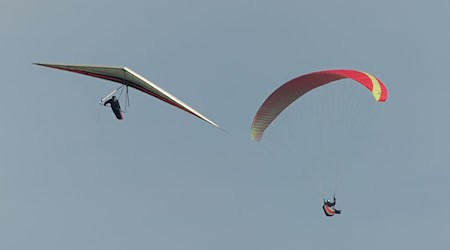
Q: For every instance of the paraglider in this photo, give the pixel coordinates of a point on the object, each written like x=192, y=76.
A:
x=328, y=207
x=289, y=92
x=295, y=88
x=128, y=78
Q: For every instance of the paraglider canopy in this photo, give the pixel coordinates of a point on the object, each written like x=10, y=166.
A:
x=281, y=98
x=126, y=76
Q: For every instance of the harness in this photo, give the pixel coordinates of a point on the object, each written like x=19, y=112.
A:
x=329, y=211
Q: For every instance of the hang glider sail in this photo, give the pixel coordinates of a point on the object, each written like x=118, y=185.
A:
x=295, y=88
x=127, y=77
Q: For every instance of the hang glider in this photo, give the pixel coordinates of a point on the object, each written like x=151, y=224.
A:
x=129, y=78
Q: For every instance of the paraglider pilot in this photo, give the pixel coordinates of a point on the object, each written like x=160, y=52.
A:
x=115, y=106
x=328, y=207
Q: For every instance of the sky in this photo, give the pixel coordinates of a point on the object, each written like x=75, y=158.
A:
x=74, y=177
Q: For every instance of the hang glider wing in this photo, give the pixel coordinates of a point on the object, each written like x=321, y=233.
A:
x=126, y=76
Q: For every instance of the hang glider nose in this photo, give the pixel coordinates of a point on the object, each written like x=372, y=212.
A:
x=126, y=76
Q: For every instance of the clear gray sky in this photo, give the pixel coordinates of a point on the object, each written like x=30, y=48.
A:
x=73, y=177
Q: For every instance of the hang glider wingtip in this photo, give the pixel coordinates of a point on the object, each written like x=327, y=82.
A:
x=215, y=124
x=224, y=130
x=45, y=65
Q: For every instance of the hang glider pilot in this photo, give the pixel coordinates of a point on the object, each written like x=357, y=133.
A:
x=115, y=106
x=328, y=207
